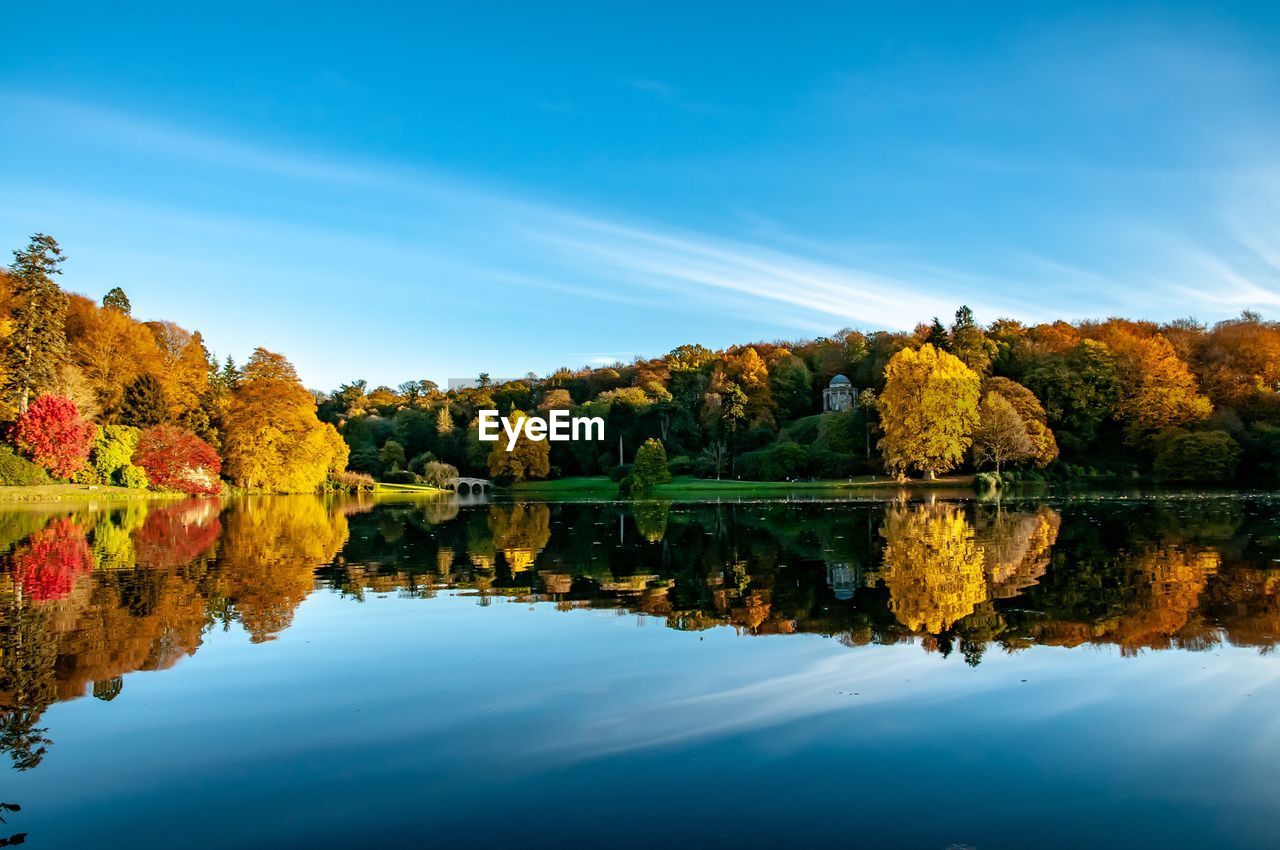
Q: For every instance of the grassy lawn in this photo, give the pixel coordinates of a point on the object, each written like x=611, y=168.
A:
x=600, y=486
x=407, y=488
x=78, y=493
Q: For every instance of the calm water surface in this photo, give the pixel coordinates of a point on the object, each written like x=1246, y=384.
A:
x=279, y=672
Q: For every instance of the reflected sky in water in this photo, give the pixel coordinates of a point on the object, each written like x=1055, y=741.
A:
x=294, y=672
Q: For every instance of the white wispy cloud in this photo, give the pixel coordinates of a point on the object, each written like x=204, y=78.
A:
x=441, y=227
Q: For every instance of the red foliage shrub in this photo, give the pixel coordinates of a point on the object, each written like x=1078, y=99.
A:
x=52, y=559
x=53, y=434
x=179, y=460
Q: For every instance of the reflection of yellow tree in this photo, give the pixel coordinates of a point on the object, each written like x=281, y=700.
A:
x=932, y=566
x=271, y=547
x=1016, y=547
x=521, y=531
x=1177, y=578
x=1246, y=600
x=112, y=537
x=651, y=519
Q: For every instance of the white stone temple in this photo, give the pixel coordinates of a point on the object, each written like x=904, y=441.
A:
x=839, y=396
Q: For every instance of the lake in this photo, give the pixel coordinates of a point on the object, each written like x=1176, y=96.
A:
x=856, y=672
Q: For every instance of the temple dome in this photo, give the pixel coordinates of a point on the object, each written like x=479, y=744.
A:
x=840, y=380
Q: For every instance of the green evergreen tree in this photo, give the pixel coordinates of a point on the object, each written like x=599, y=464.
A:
x=144, y=403
x=937, y=336
x=117, y=300
x=649, y=469
x=37, y=346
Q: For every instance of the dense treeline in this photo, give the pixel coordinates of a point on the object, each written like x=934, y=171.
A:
x=94, y=395
x=1181, y=401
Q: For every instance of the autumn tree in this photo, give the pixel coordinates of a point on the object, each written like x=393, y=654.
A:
x=176, y=459
x=37, y=344
x=53, y=434
x=444, y=422
x=184, y=370
x=928, y=410
x=1044, y=447
x=273, y=440
x=1157, y=389
x=529, y=459
x=1239, y=363
x=110, y=348
x=1000, y=437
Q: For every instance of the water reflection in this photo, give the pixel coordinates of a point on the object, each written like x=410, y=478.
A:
x=88, y=596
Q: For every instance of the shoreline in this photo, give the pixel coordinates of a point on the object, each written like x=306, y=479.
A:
x=37, y=493
x=598, y=485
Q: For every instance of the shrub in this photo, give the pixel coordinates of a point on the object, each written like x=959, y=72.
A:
x=419, y=462
x=353, y=482
x=17, y=471
x=112, y=454
x=682, y=465
x=132, y=476
x=782, y=460
x=620, y=472
x=1199, y=456
x=176, y=459
x=985, y=482
x=436, y=474
x=53, y=434
x=400, y=476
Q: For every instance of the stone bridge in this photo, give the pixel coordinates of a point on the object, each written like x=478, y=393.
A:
x=468, y=485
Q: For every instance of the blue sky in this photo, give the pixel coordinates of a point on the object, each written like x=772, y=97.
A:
x=392, y=193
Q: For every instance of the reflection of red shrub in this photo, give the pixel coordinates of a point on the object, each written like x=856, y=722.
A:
x=52, y=559
x=177, y=459
x=53, y=434
x=177, y=535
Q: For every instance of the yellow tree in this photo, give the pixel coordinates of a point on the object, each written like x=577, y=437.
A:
x=186, y=368
x=110, y=349
x=928, y=410
x=529, y=458
x=273, y=440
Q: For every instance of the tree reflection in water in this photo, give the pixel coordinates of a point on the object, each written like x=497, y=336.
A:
x=88, y=596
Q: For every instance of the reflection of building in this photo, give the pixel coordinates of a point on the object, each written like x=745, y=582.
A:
x=838, y=396
x=843, y=580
